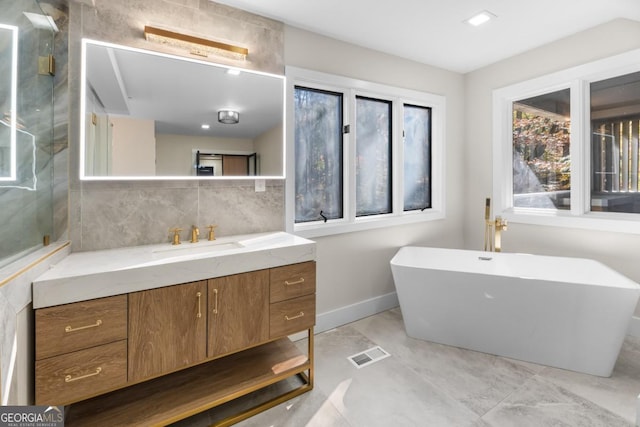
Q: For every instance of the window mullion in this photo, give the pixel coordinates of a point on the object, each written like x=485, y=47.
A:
x=397, y=158
x=350, y=156
x=579, y=148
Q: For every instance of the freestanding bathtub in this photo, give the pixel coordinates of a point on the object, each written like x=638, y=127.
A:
x=568, y=313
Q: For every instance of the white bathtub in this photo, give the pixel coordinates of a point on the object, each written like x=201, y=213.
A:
x=568, y=313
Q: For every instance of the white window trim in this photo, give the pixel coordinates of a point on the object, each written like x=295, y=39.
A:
x=578, y=80
x=351, y=87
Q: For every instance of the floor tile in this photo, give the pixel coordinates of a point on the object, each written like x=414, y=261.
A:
x=311, y=409
x=386, y=393
x=618, y=393
x=478, y=380
x=541, y=403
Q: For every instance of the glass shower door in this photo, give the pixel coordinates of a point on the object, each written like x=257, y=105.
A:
x=26, y=119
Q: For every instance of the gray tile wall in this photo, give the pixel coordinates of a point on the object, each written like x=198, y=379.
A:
x=127, y=213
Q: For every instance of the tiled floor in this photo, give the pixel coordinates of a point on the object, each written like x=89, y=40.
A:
x=427, y=384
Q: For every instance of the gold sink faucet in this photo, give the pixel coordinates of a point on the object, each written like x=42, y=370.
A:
x=493, y=229
x=195, y=232
x=176, y=235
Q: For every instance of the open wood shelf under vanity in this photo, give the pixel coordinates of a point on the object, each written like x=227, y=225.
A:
x=179, y=395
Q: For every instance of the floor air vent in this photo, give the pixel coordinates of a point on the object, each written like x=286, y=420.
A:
x=368, y=357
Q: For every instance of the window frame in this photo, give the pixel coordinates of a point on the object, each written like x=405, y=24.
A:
x=351, y=87
x=578, y=80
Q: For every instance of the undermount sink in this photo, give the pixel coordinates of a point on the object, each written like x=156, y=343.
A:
x=200, y=247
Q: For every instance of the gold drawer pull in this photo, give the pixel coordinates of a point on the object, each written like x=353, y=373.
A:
x=69, y=378
x=94, y=325
x=297, y=316
x=199, y=312
x=297, y=282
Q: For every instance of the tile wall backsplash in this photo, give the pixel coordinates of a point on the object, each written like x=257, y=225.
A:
x=118, y=214
x=115, y=214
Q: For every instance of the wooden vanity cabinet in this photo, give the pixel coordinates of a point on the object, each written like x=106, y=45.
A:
x=167, y=329
x=167, y=353
x=238, y=312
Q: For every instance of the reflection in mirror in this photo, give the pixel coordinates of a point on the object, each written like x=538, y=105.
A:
x=148, y=115
x=8, y=99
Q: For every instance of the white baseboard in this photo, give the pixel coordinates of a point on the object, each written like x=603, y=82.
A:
x=350, y=313
x=634, y=327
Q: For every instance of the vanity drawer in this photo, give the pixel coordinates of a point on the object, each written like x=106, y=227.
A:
x=291, y=316
x=75, y=376
x=292, y=281
x=70, y=327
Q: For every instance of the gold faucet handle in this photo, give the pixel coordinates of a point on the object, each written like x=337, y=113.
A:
x=212, y=233
x=501, y=223
x=176, y=235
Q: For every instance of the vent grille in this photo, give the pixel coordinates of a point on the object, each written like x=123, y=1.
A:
x=367, y=357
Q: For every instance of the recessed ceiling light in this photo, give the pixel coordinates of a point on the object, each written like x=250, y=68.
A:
x=205, y=126
x=480, y=18
x=233, y=71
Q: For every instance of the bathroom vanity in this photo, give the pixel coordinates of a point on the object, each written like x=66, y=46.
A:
x=151, y=335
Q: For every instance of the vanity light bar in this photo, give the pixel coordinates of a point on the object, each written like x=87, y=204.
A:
x=170, y=37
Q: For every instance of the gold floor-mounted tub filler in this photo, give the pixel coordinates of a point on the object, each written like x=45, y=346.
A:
x=493, y=229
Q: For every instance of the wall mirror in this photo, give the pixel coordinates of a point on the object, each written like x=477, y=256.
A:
x=8, y=97
x=148, y=115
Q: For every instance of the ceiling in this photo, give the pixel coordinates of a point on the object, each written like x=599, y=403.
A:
x=434, y=32
x=181, y=94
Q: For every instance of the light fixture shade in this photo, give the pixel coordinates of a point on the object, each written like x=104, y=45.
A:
x=196, y=45
x=228, y=117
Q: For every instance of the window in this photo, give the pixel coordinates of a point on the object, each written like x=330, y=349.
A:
x=318, y=154
x=417, y=157
x=567, y=149
x=615, y=123
x=362, y=155
x=541, y=160
x=373, y=156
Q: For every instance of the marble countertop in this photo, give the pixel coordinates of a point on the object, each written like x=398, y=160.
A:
x=88, y=275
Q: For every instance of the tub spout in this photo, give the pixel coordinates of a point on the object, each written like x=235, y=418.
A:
x=500, y=225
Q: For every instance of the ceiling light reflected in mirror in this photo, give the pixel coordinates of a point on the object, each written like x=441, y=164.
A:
x=228, y=117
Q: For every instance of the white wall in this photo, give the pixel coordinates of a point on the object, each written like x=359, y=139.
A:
x=617, y=250
x=354, y=267
x=269, y=148
x=174, y=152
x=133, y=147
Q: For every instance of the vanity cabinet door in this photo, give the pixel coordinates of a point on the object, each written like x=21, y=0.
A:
x=167, y=329
x=238, y=312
